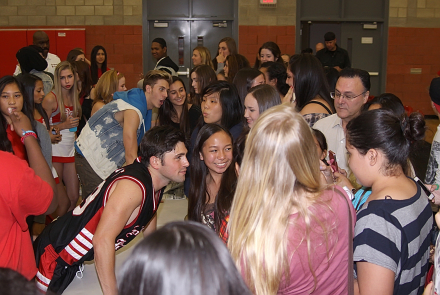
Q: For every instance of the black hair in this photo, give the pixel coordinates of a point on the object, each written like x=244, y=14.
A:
x=332, y=76
x=239, y=145
x=205, y=76
x=383, y=130
x=157, y=141
x=12, y=282
x=73, y=54
x=94, y=65
x=387, y=101
x=84, y=75
x=28, y=82
x=183, y=258
x=197, y=197
x=310, y=80
x=307, y=50
x=5, y=144
x=329, y=36
x=274, y=48
x=363, y=75
x=243, y=81
x=167, y=112
x=161, y=42
x=277, y=71
x=320, y=138
x=232, y=108
x=236, y=62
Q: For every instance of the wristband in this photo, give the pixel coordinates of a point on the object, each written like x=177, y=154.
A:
x=26, y=134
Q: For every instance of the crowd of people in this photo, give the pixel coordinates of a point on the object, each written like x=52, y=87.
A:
x=298, y=180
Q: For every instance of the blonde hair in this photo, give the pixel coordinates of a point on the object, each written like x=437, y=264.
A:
x=106, y=86
x=279, y=176
x=65, y=65
x=205, y=55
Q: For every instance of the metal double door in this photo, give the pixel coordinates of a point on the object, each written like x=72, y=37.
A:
x=182, y=36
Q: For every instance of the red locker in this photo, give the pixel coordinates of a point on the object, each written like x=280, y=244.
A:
x=61, y=42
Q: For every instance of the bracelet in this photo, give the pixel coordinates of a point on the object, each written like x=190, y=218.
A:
x=23, y=133
x=26, y=134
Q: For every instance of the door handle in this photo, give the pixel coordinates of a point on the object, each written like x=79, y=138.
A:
x=183, y=73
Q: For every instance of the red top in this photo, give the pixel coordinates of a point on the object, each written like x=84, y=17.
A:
x=17, y=145
x=22, y=194
x=56, y=117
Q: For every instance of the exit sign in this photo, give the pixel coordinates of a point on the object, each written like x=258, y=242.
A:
x=268, y=3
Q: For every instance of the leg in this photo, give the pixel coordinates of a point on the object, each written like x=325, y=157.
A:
x=72, y=184
x=89, y=179
x=63, y=200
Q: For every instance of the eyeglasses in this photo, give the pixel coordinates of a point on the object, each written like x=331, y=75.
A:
x=338, y=95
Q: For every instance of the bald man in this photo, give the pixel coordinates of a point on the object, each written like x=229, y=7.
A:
x=41, y=39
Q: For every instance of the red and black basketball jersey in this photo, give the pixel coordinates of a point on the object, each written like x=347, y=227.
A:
x=71, y=235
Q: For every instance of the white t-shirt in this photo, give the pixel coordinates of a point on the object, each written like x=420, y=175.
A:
x=52, y=62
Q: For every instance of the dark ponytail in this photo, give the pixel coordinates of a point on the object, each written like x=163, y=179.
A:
x=394, y=136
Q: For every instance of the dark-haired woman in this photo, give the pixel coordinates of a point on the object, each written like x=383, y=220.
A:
x=213, y=179
x=233, y=64
x=269, y=51
x=98, y=59
x=34, y=94
x=176, y=111
x=276, y=75
x=220, y=105
x=247, y=78
x=312, y=94
x=392, y=233
x=226, y=46
x=161, y=264
x=201, y=76
x=84, y=87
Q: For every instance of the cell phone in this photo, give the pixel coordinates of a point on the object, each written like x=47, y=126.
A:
x=334, y=163
x=54, y=132
x=424, y=188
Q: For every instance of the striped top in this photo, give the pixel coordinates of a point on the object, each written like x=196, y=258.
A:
x=395, y=234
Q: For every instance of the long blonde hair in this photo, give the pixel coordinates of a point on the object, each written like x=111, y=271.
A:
x=279, y=176
x=107, y=85
x=65, y=65
x=205, y=55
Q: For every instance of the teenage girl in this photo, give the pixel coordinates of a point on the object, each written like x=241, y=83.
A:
x=176, y=110
x=33, y=90
x=98, y=65
x=84, y=89
x=226, y=46
x=269, y=51
x=247, y=78
x=63, y=107
x=110, y=82
x=201, y=56
x=213, y=179
x=233, y=64
x=392, y=234
x=201, y=76
x=259, y=99
x=276, y=76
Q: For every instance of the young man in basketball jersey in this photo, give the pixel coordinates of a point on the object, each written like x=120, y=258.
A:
x=121, y=207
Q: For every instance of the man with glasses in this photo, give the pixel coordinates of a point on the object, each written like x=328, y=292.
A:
x=351, y=93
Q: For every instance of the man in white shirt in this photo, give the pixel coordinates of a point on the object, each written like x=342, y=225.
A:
x=41, y=39
x=351, y=93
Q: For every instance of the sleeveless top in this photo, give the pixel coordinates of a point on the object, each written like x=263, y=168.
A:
x=71, y=235
x=312, y=118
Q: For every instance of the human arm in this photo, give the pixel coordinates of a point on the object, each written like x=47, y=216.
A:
x=129, y=135
x=125, y=198
x=71, y=122
x=36, y=160
x=373, y=279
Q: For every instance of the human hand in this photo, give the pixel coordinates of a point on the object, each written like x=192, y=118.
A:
x=55, y=138
x=342, y=179
x=428, y=289
x=434, y=189
x=290, y=96
x=326, y=173
x=338, y=68
x=71, y=122
x=20, y=122
x=220, y=58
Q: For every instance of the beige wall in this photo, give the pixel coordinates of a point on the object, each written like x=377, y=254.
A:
x=403, y=13
x=70, y=12
x=415, y=13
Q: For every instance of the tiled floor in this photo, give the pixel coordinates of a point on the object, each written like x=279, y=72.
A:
x=170, y=210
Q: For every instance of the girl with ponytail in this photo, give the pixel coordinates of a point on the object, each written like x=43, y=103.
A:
x=391, y=243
